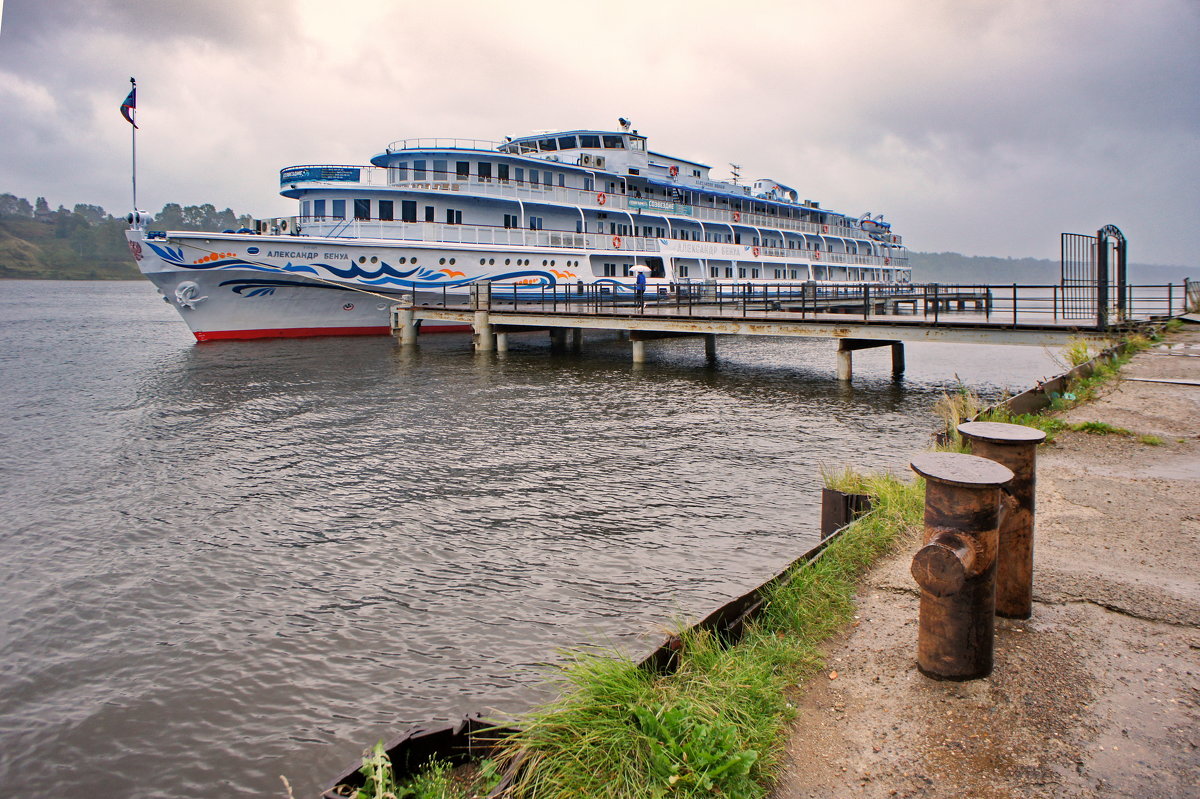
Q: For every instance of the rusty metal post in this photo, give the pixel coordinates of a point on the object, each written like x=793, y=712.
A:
x=1014, y=446
x=956, y=567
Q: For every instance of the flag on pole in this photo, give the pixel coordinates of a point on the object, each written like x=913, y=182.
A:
x=130, y=105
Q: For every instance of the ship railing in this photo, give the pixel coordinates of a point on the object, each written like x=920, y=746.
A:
x=332, y=227
x=439, y=233
x=442, y=144
x=682, y=215
x=1015, y=305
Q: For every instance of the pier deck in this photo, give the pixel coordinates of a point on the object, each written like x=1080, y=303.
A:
x=856, y=316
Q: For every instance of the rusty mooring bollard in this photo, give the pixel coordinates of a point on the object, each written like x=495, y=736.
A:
x=1014, y=446
x=956, y=568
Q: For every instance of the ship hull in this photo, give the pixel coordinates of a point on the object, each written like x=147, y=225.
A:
x=247, y=287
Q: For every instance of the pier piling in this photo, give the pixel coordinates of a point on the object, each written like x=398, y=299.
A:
x=956, y=567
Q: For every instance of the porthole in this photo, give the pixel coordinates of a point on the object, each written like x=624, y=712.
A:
x=403, y=259
x=374, y=259
x=482, y=261
x=506, y=261
x=545, y=262
x=552, y=262
x=452, y=262
x=491, y=261
x=441, y=261
x=362, y=259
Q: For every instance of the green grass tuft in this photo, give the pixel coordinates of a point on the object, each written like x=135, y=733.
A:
x=1100, y=428
x=1153, y=441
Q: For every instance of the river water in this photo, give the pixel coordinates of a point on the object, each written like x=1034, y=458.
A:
x=221, y=563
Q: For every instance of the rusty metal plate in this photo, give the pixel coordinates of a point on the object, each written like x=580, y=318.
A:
x=1002, y=432
x=968, y=471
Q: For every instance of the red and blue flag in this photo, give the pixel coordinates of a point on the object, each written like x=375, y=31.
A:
x=128, y=107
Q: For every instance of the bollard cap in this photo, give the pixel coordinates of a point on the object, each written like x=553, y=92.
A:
x=1002, y=433
x=968, y=471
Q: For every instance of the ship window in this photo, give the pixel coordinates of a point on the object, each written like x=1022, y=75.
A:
x=305, y=208
x=683, y=271
x=729, y=271
x=547, y=144
x=562, y=179
x=625, y=270
x=520, y=171
x=741, y=271
x=453, y=217
x=462, y=170
x=319, y=209
x=588, y=184
x=408, y=210
x=754, y=274
x=440, y=170
x=533, y=177
x=401, y=170
x=566, y=143
x=362, y=209
x=485, y=170
x=614, y=142
x=511, y=221
x=714, y=271
x=339, y=209
x=386, y=210
x=696, y=173
x=429, y=213
x=637, y=143
x=418, y=170
x=610, y=270
x=502, y=171
x=535, y=223
x=588, y=140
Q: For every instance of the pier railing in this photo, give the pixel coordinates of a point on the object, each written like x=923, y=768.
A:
x=1010, y=305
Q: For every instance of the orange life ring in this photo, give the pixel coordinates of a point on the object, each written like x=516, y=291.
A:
x=816, y=255
x=617, y=242
x=674, y=171
x=737, y=216
x=824, y=228
x=887, y=261
x=601, y=197
x=755, y=251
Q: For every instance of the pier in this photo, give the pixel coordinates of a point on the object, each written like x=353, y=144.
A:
x=856, y=316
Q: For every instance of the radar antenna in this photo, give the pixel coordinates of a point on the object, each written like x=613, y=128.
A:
x=737, y=172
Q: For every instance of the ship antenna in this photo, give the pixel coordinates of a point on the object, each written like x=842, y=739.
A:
x=737, y=172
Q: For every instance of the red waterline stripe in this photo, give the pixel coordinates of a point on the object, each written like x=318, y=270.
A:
x=306, y=332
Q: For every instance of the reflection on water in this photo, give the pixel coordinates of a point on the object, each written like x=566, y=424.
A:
x=226, y=562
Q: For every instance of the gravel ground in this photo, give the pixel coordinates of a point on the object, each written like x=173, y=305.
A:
x=1096, y=695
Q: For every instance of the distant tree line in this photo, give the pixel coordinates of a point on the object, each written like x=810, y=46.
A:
x=86, y=242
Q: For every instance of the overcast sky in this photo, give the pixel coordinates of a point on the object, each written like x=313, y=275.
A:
x=981, y=126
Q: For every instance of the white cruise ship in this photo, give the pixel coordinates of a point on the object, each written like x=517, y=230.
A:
x=535, y=214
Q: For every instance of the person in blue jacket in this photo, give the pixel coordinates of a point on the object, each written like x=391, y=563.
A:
x=640, y=286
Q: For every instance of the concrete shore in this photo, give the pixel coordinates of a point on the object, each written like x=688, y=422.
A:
x=1096, y=695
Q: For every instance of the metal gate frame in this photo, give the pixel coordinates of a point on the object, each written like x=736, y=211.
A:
x=1094, y=274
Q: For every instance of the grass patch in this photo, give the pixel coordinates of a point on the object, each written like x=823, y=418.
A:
x=1100, y=429
x=954, y=409
x=845, y=479
x=1152, y=441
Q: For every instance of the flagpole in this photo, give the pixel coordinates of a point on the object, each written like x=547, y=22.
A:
x=133, y=156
